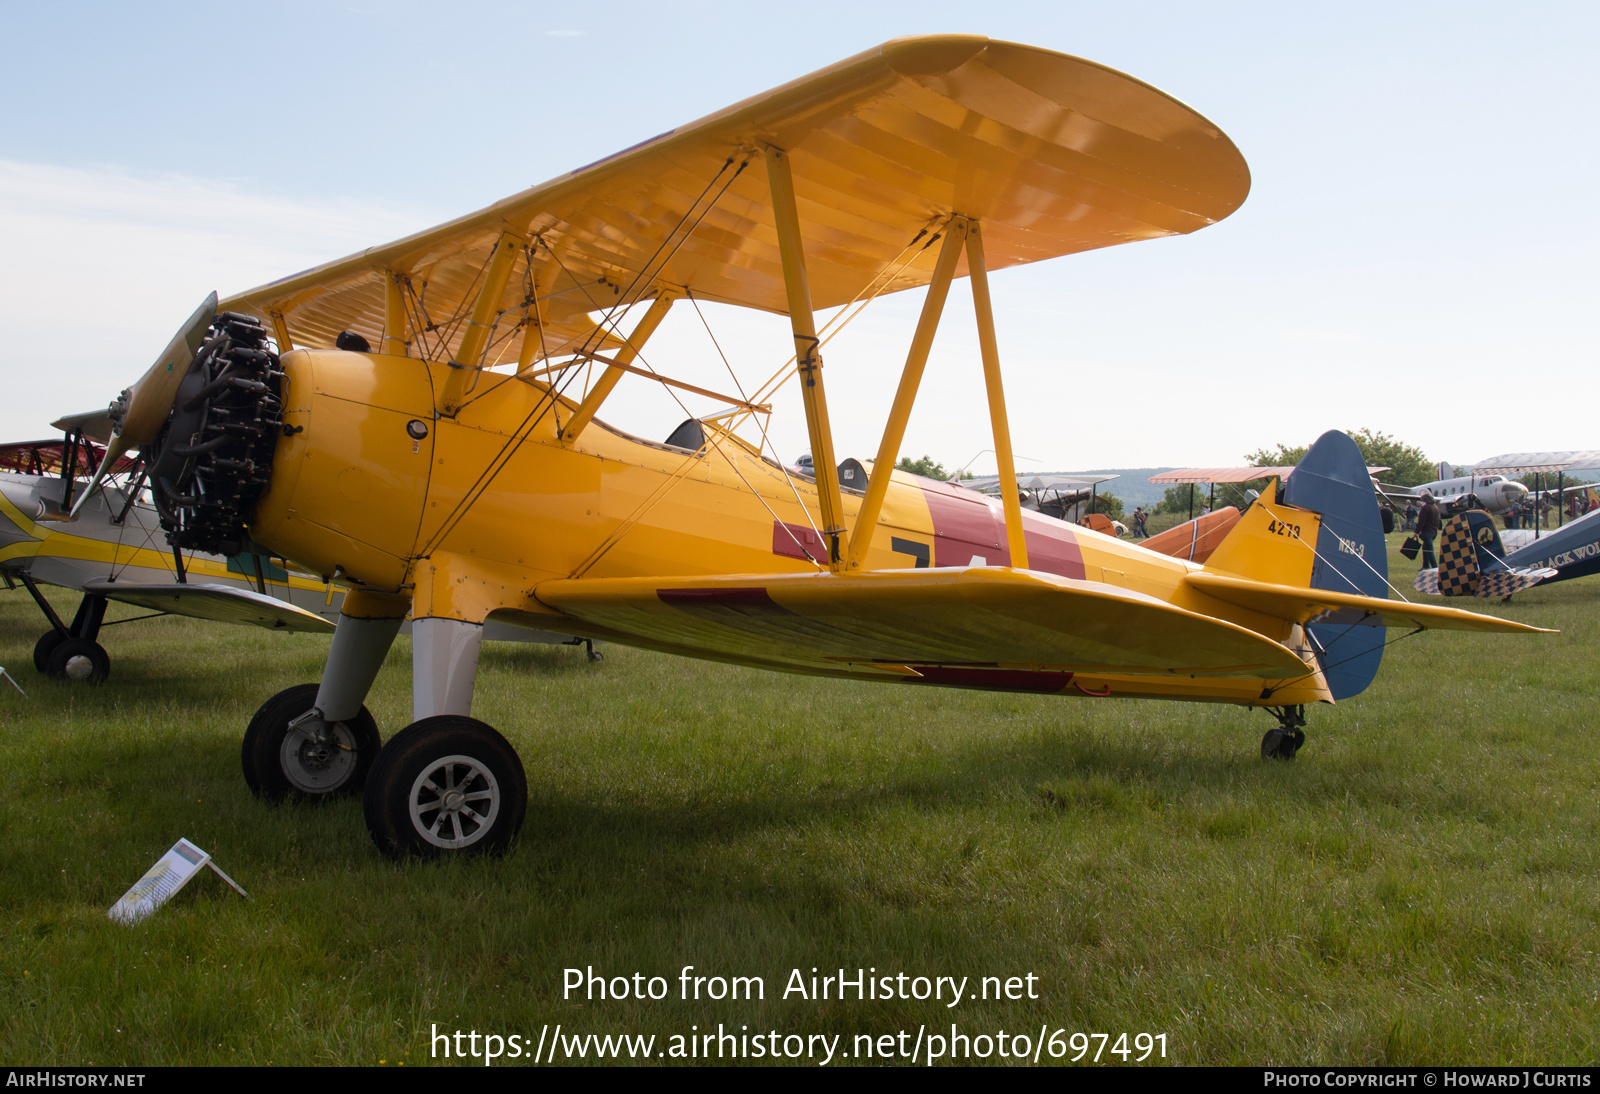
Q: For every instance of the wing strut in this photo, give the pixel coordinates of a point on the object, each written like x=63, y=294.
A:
x=786, y=217
x=394, y=316
x=619, y=364
x=961, y=231
x=280, y=332
x=997, y=397
x=894, y=430
x=469, y=354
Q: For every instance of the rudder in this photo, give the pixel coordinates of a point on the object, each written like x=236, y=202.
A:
x=1351, y=555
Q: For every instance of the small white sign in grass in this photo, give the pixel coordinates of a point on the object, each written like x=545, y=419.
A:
x=162, y=881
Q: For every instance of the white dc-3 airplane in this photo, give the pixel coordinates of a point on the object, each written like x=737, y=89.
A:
x=1496, y=494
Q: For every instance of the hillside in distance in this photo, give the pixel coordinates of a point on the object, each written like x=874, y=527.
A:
x=1132, y=485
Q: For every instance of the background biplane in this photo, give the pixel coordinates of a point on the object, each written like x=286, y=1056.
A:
x=460, y=472
x=1473, y=562
x=110, y=547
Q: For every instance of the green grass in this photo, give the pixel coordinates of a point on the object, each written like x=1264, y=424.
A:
x=1420, y=885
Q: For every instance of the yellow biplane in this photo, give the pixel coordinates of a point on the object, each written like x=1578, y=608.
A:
x=459, y=470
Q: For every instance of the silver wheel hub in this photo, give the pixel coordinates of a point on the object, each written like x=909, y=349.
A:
x=79, y=667
x=317, y=758
x=454, y=802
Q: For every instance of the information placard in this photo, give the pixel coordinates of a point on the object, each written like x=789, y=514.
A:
x=162, y=881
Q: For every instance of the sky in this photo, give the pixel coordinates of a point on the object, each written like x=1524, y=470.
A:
x=1417, y=255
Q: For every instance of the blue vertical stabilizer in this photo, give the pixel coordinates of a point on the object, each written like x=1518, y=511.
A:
x=1352, y=557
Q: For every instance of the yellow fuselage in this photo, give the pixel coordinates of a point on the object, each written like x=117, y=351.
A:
x=467, y=520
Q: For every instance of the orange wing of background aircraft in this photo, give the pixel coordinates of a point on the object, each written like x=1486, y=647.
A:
x=420, y=422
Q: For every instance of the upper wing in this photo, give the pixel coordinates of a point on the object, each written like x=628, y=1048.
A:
x=1054, y=154
x=220, y=602
x=1528, y=463
x=1202, y=475
x=897, y=620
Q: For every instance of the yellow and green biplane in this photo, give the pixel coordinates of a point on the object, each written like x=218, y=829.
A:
x=460, y=472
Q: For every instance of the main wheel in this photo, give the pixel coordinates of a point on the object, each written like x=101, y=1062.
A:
x=43, y=648
x=446, y=785
x=79, y=659
x=311, y=760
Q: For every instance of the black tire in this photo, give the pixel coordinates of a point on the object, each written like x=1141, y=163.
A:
x=1281, y=744
x=407, y=803
x=1270, y=744
x=277, y=766
x=42, y=649
x=80, y=660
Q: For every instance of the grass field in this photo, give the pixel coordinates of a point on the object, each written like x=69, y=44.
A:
x=1418, y=886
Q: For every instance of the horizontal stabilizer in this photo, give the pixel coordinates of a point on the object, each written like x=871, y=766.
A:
x=219, y=602
x=1195, y=540
x=1486, y=586
x=898, y=619
x=1327, y=606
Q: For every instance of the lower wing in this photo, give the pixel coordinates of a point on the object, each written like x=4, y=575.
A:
x=894, y=621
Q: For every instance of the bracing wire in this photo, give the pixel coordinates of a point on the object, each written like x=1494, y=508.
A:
x=874, y=288
x=525, y=430
x=766, y=441
x=650, y=503
x=1353, y=657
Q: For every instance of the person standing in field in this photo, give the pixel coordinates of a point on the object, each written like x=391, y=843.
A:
x=1428, y=530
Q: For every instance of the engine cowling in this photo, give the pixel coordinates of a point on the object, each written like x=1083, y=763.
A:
x=352, y=470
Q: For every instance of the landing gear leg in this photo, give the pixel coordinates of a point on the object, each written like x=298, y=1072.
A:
x=316, y=741
x=444, y=666
x=447, y=783
x=1282, y=742
x=71, y=653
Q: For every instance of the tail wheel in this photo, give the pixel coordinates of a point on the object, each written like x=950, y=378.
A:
x=79, y=659
x=447, y=785
x=288, y=754
x=1282, y=744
